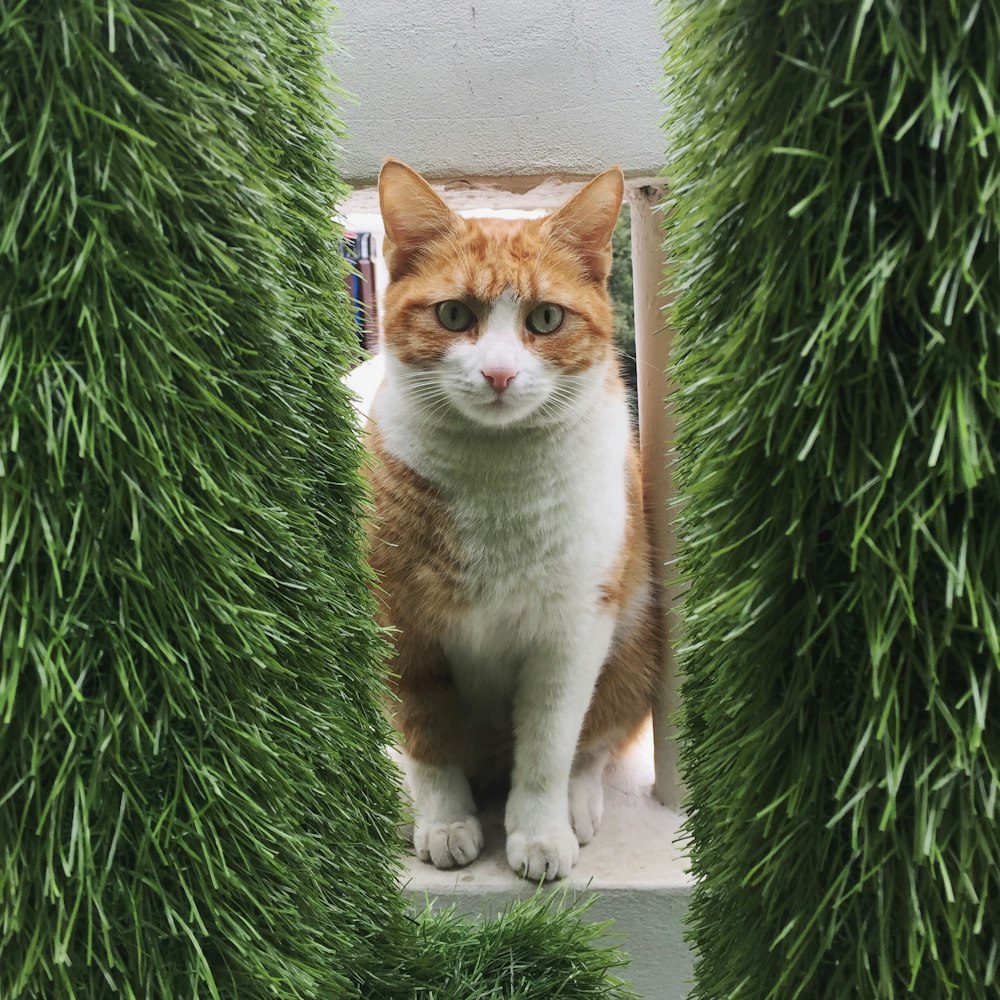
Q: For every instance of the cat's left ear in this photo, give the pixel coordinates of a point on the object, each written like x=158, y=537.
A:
x=413, y=213
x=585, y=223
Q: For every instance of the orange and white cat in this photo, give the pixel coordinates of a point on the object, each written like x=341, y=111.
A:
x=509, y=536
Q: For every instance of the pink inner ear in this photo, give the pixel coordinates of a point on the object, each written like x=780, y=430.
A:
x=585, y=223
x=413, y=213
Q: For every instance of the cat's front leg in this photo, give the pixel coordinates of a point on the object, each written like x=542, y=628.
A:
x=429, y=716
x=554, y=690
x=446, y=831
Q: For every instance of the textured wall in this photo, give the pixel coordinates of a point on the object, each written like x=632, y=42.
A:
x=495, y=87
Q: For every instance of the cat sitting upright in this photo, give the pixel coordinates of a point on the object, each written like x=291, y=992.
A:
x=509, y=535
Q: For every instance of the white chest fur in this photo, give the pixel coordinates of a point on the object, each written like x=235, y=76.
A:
x=539, y=515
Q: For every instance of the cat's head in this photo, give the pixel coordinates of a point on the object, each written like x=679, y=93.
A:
x=492, y=321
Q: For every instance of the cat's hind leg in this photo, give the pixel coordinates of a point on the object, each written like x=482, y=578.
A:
x=586, y=793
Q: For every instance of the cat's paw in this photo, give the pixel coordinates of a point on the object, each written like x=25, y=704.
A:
x=546, y=854
x=586, y=804
x=448, y=845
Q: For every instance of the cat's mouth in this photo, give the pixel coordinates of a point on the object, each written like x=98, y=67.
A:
x=499, y=409
x=493, y=400
x=495, y=409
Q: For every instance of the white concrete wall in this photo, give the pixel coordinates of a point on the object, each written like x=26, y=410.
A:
x=485, y=88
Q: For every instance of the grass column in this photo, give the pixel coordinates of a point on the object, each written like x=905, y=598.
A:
x=835, y=176
x=187, y=662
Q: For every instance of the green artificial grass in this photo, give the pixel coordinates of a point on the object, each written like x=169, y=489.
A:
x=194, y=799
x=835, y=176
x=537, y=949
x=184, y=813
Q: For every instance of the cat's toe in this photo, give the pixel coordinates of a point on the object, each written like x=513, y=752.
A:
x=449, y=845
x=547, y=856
x=465, y=841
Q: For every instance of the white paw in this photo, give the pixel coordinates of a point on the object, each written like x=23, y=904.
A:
x=448, y=845
x=547, y=854
x=586, y=804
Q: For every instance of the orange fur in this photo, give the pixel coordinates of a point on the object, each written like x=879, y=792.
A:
x=412, y=551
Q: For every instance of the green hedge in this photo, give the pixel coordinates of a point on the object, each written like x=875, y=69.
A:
x=835, y=176
x=194, y=801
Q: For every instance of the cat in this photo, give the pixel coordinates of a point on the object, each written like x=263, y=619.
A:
x=508, y=536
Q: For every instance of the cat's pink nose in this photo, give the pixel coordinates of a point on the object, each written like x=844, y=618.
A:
x=499, y=378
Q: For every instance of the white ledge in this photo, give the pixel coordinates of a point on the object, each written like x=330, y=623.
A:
x=635, y=848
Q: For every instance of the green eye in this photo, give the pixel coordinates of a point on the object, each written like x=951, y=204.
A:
x=454, y=315
x=545, y=318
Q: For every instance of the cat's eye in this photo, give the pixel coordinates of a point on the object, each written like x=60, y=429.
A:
x=454, y=315
x=545, y=318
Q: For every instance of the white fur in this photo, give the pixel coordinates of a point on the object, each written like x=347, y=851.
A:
x=445, y=829
x=586, y=793
x=363, y=383
x=535, y=483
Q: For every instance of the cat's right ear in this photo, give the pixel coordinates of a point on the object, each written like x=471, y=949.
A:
x=585, y=223
x=413, y=214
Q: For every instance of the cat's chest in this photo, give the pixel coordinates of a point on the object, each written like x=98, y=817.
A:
x=533, y=517
x=514, y=525
x=534, y=548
